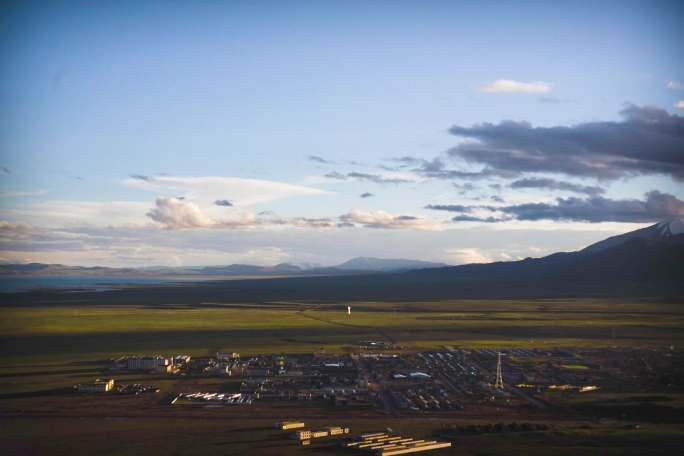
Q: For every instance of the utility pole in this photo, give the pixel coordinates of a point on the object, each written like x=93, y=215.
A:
x=499, y=378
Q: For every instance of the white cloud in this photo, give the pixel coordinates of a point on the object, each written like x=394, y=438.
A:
x=674, y=85
x=177, y=214
x=241, y=192
x=14, y=231
x=13, y=194
x=509, y=85
x=467, y=256
x=382, y=219
x=679, y=104
x=122, y=254
x=80, y=213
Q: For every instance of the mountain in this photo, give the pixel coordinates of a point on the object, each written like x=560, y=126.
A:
x=650, y=258
x=385, y=265
x=665, y=229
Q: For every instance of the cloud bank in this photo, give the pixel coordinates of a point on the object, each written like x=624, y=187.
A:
x=382, y=219
x=647, y=140
x=655, y=206
x=552, y=184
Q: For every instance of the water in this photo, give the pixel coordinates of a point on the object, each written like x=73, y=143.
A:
x=13, y=284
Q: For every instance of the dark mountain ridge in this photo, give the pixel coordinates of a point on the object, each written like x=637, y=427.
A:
x=633, y=266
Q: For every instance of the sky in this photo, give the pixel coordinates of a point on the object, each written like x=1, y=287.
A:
x=205, y=133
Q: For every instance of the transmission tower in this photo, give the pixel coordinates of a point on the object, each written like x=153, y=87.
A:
x=499, y=378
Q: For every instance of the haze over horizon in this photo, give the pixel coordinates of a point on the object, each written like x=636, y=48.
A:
x=170, y=133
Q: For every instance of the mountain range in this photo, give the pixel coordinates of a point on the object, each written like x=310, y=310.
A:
x=353, y=266
x=646, y=262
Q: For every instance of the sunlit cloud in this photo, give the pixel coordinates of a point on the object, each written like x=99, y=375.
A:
x=240, y=191
x=511, y=86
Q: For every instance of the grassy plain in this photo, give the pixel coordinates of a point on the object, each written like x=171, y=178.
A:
x=83, y=332
x=48, y=348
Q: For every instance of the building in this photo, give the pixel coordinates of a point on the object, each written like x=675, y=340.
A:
x=287, y=425
x=382, y=444
x=337, y=430
x=304, y=434
x=98, y=386
x=226, y=356
x=149, y=363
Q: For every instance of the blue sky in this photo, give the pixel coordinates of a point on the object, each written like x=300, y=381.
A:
x=207, y=101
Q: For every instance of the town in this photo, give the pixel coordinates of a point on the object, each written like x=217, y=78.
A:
x=500, y=384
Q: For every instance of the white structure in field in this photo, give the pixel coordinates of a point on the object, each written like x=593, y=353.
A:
x=499, y=384
x=348, y=310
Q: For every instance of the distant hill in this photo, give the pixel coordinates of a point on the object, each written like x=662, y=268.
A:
x=383, y=265
x=353, y=266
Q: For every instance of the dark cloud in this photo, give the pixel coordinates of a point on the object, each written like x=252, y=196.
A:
x=375, y=178
x=321, y=160
x=464, y=188
x=142, y=177
x=552, y=184
x=647, y=140
x=223, y=202
x=437, y=169
x=497, y=199
x=471, y=218
x=404, y=162
x=336, y=175
x=655, y=207
x=366, y=195
x=449, y=207
x=550, y=100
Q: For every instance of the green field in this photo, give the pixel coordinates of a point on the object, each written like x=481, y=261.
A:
x=48, y=349
x=42, y=334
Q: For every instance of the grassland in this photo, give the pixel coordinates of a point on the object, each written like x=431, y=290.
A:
x=82, y=332
x=48, y=348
